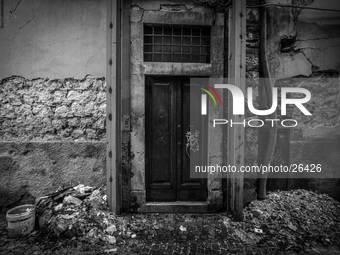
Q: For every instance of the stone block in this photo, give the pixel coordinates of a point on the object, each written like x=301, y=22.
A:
x=136, y=14
x=137, y=50
x=74, y=96
x=136, y=31
x=174, y=7
x=147, y=4
x=190, y=18
x=61, y=111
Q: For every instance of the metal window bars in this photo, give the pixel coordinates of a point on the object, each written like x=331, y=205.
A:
x=164, y=43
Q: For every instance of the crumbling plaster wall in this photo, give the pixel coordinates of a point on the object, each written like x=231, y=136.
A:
x=303, y=41
x=306, y=44
x=52, y=97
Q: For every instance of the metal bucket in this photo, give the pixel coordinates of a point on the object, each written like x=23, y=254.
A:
x=21, y=220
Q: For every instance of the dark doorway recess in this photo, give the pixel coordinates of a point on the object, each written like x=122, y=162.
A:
x=167, y=108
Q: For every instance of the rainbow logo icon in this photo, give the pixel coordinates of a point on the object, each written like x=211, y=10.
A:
x=204, y=97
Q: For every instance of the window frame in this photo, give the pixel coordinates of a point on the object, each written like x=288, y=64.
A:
x=196, y=48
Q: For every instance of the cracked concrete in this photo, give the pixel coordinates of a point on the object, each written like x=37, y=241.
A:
x=14, y=15
x=11, y=12
x=317, y=40
x=48, y=39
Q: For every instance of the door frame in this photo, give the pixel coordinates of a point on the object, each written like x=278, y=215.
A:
x=138, y=70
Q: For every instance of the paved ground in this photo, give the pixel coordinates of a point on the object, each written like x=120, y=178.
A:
x=202, y=236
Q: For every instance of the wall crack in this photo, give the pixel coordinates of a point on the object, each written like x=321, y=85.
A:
x=11, y=12
x=26, y=22
x=313, y=66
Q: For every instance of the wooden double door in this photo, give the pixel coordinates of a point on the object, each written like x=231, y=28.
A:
x=167, y=121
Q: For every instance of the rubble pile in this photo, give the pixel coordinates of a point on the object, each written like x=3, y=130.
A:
x=293, y=220
x=289, y=220
x=80, y=213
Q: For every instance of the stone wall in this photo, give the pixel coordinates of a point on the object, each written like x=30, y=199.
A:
x=52, y=110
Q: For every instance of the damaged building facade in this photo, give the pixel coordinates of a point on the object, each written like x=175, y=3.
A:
x=53, y=96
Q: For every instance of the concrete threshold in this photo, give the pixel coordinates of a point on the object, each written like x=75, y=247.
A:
x=175, y=207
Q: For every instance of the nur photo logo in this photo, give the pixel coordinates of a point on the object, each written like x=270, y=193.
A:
x=295, y=97
x=204, y=97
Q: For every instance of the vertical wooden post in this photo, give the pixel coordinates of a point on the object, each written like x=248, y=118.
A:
x=236, y=75
x=113, y=105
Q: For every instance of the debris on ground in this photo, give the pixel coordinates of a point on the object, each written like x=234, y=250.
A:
x=288, y=221
x=292, y=220
x=79, y=212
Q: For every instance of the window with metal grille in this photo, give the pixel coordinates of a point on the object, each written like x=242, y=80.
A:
x=189, y=44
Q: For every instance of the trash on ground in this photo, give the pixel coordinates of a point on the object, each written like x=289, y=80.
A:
x=291, y=220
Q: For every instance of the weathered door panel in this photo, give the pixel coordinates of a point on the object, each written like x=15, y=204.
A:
x=160, y=139
x=167, y=158
x=188, y=189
